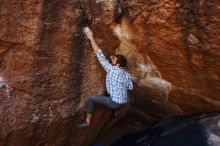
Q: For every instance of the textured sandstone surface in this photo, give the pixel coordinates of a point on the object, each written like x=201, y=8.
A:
x=49, y=68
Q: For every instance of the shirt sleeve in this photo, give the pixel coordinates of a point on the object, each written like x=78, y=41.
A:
x=129, y=82
x=103, y=61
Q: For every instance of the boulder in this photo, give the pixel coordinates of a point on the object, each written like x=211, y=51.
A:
x=48, y=68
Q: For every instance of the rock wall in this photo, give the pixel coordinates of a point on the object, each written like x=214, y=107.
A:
x=180, y=44
x=48, y=67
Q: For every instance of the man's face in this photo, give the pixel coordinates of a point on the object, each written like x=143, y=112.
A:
x=113, y=60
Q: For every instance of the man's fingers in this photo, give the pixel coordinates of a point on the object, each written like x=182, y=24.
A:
x=88, y=32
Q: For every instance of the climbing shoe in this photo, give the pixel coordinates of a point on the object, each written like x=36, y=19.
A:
x=79, y=125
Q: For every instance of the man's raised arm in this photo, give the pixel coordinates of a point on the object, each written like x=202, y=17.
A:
x=91, y=38
x=100, y=56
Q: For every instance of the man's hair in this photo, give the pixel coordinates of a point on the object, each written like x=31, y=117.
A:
x=121, y=60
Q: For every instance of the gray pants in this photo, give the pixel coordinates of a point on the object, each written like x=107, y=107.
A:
x=101, y=100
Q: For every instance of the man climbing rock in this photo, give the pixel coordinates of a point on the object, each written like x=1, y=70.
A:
x=118, y=81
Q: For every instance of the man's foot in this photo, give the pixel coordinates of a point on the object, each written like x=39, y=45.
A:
x=79, y=125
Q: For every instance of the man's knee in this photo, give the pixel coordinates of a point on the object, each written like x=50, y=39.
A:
x=90, y=98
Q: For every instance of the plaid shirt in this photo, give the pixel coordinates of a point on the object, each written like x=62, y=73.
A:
x=118, y=81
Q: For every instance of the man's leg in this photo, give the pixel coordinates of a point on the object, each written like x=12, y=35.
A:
x=91, y=101
x=101, y=100
x=88, y=118
x=90, y=106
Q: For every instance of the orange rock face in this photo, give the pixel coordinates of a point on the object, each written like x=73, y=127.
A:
x=49, y=68
x=179, y=43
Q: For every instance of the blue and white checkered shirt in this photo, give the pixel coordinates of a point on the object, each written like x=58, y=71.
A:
x=118, y=81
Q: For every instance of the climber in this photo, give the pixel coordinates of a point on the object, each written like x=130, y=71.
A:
x=118, y=81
